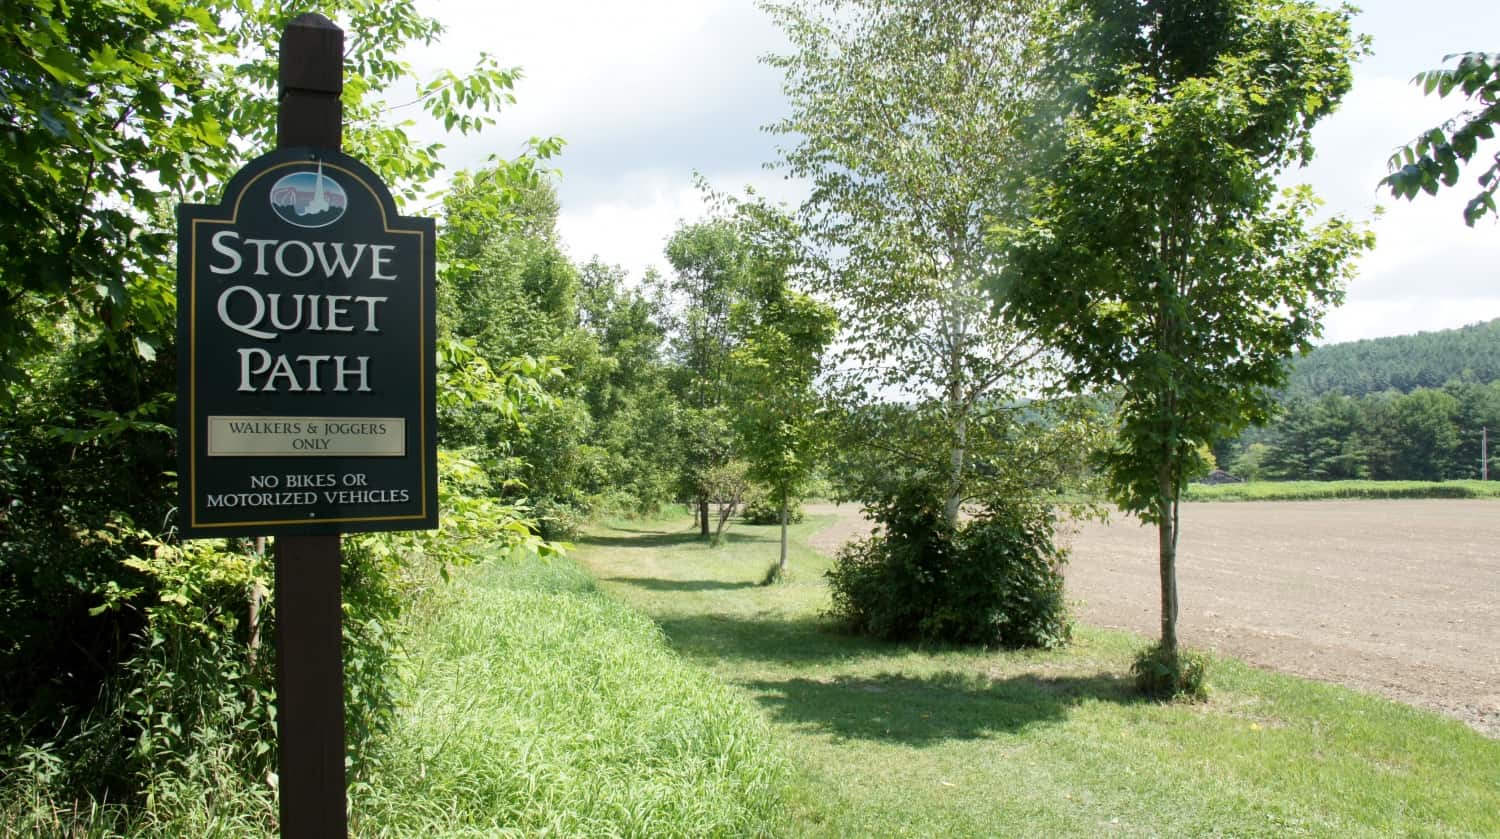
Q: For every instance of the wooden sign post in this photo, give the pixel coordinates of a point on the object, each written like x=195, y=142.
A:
x=309, y=627
x=306, y=391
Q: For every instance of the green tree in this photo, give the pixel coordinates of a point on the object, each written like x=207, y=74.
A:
x=635, y=411
x=1432, y=159
x=1319, y=440
x=626, y=323
x=709, y=262
x=1250, y=463
x=1414, y=437
x=508, y=289
x=781, y=338
x=1477, y=416
x=1157, y=255
x=907, y=118
x=113, y=112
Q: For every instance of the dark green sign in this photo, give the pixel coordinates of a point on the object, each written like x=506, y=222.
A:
x=306, y=354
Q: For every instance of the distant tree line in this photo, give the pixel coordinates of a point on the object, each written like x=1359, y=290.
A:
x=1427, y=434
x=1407, y=407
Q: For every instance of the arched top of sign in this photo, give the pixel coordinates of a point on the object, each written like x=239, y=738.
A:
x=311, y=188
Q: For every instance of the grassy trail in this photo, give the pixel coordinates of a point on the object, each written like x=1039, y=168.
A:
x=901, y=741
x=534, y=705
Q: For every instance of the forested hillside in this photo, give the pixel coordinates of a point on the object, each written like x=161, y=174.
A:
x=1403, y=362
x=1409, y=407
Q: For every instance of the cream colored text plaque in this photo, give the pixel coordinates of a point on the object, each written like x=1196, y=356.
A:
x=306, y=436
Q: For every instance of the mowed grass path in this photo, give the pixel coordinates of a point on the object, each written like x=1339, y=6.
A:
x=896, y=740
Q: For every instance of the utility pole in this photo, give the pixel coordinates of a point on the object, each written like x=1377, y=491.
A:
x=1484, y=453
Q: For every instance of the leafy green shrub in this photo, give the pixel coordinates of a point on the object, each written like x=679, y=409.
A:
x=994, y=581
x=1014, y=581
x=85, y=470
x=1171, y=677
x=131, y=674
x=621, y=502
x=84, y=460
x=860, y=584
x=559, y=520
x=174, y=733
x=759, y=509
x=186, y=715
x=883, y=585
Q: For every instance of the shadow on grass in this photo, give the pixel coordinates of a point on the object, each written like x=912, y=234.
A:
x=947, y=706
x=658, y=538
x=659, y=584
x=912, y=710
x=773, y=639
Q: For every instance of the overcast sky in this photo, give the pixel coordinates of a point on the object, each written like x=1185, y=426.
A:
x=647, y=93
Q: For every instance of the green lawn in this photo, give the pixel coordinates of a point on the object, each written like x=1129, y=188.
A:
x=900, y=741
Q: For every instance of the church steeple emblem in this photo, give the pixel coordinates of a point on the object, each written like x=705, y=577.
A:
x=309, y=199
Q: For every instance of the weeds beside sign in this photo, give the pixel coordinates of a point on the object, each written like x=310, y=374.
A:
x=306, y=400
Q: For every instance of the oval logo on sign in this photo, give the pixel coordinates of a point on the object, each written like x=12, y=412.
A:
x=308, y=199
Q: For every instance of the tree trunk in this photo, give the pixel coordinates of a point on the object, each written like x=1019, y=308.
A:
x=703, y=517
x=257, y=600
x=726, y=509
x=955, y=493
x=783, y=536
x=956, y=461
x=1166, y=532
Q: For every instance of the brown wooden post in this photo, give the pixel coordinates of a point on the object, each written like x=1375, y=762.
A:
x=311, y=79
x=309, y=635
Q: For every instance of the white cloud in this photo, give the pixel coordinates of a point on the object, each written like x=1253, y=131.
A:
x=607, y=72
x=631, y=231
x=631, y=228
x=644, y=94
x=647, y=93
x=1428, y=269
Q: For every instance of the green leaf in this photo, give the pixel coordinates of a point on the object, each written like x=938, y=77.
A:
x=1450, y=172
x=62, y=67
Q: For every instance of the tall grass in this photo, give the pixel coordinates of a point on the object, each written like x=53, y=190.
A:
x=529, y=704
x=203, y=795
x=1325, y=490
x=533, y=705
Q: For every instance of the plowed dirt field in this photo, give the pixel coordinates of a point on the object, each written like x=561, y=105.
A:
x=1401, y=598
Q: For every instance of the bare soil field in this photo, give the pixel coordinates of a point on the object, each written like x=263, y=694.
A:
x=1401, y=598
